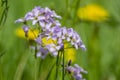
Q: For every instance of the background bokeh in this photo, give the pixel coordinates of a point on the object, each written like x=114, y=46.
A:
x=102, y=40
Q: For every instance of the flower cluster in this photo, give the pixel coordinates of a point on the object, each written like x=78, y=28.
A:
x=60, y=36
x=45, y=21
x=43, y=16
x=51, y=29
x=76, y=71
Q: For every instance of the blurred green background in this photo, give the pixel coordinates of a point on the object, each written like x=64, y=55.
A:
x=101, y=60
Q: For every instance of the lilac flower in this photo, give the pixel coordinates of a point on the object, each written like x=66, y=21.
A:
x=38, y=40
x=44, y=16
x=75, y=39
x=53, y=49
x=75, y=71
x=54, y=33
x=26, y=28
x=42, y=52
x=20, y=20
x=49, y=13
x=61, y=34
x=50, y=28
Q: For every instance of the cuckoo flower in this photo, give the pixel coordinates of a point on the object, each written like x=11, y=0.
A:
x=63, y=34
x=44, y=16
x=42, y=52
x=53, y=49
x=76, y=71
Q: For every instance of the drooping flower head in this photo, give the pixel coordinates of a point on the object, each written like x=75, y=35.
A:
x=93, y=12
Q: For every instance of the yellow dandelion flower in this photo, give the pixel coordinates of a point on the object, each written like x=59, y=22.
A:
x=70, y=54
x=31, y=34
x=93, y=12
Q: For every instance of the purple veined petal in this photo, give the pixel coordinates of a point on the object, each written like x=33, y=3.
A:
x=55, y=53
x=47, y=9
x=42, y=23
x=48, y=25
x=59, y=41
x=42, y=10
x=59, y=17
x=70, y=69
x=72, y=43
x=59, y=34
x=25, y=28
x=58, y=47
x=52, y=20
x=52, y=49
x=37, y=8
x=63, y=37
x=55, y=15
x=68, y=39
x=77, y=76
x=34, y=22
x=54, y=37
x=57, y=23
x=19, y=21
x=29, y=16
x=40, y=18
x=44, y=52
x=49, y=37
x=36, y=13
x=70, y=31
x=83, y=47
x=78, y=69
x=38, y=40
x=38, y=54
x=76, y=46
x=64, y=30
x=76, y=66
x=47, y=15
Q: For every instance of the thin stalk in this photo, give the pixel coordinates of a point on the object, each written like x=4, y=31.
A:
x=35, y=69
x=63, y=66
x=57, y=65
x=36, y=63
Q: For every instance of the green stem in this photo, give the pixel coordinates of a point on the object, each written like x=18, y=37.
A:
x=63, y=66
x=36, y=62
x=35, y=68
x=57, y=65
